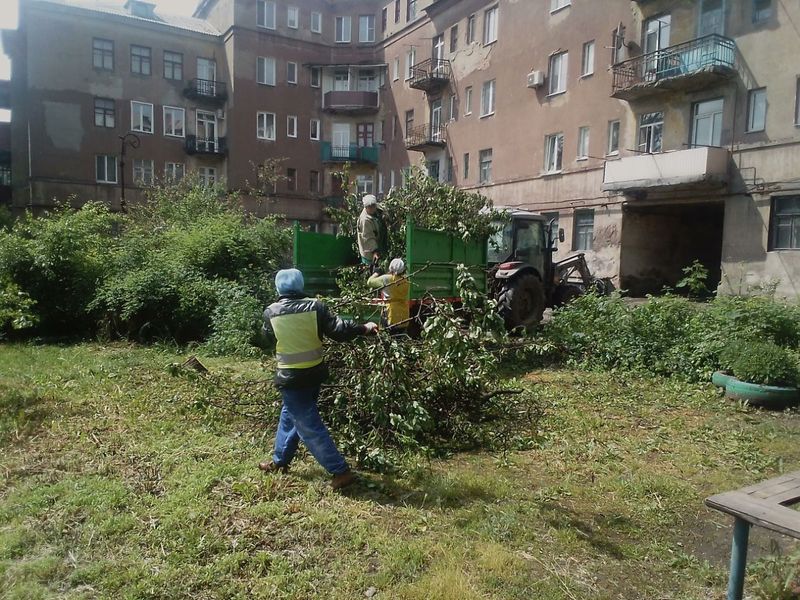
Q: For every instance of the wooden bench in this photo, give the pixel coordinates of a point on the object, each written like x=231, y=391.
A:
x=764, y=504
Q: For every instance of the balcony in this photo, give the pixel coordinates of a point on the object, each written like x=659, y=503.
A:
x=215, y=147
x=691, y=169
x=431, y=75
x=350, y=103
x=692, y=65
x=5, y=94
x=349, y=153
x=206, y=90
x=426, y=137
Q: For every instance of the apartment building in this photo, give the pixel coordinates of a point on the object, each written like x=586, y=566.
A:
x=654, y=132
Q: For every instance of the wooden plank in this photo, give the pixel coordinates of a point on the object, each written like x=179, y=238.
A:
x=776, y=490
x=773, y=517
x=775, y=481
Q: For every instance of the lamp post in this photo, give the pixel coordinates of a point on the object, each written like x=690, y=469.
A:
x=132, y=140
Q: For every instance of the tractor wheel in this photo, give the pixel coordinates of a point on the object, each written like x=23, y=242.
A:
x=521, y=302
x=566, y=293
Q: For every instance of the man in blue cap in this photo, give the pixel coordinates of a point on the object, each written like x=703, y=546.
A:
x=298, y=325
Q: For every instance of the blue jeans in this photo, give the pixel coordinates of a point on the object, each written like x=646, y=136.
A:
x=300, y=421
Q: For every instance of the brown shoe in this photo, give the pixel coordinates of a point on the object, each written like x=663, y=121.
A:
x=271, y=467
x=342, y=480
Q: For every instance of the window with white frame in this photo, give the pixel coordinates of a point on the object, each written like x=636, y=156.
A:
x=468, y=100
x=712, y=18
x=174, y=121
x=291, y=179
x=313, y=182
x=584, y=230
x=651, y=130
x=103, y=54
x=396, y=69
x=762, y=10
x=453, y=107
x=292, y=17
x=380, y=182
x=490, y=25
x=208, y=176
x=365, y=184
x=797, y=102
x=785, y=223
x=105, y=168
x=173, y=65
x=707, y=122
x=558, y=73
x=466, y=166
x=367, y=80
x=291, y=126
x=487, y=98
x=558, y=4
x=454, y=38
x=141, y=62
x=757, y=109
x=366, y=28
x=265, y=126
x=142, y=171
x=485, y=166
x=141, y=117
x=583, y=143
x=291, y=73
x=316, y=22
x=342, y=29
x=266, y=14
x=410, y=59
x=104, y=112
x=316, y=77
x=587, y=59
x=553, y=152
x=411, y=10
x=174, y=172
x=469, y=36
x=612, y=147
x=391, y=180
x=314, y=129
x=265, y=70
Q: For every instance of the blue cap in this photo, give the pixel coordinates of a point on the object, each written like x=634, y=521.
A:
x=289, y=281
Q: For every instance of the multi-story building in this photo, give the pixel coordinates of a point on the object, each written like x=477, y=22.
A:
x=654, y=132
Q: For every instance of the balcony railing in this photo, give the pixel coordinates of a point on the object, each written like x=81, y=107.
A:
x=209, y=90
x=349, y=153
x=425, y=136
x=683, y=66
x=350, y=102
x=431, y=75
x=195, y=145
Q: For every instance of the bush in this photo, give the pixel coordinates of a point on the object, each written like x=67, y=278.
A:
x=236, y=322
x=16, y=309
x=764, y=363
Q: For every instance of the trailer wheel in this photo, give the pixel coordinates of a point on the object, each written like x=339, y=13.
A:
x=566, y=293
x=521, y=301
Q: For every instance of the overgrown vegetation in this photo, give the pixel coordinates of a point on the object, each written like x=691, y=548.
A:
x=760, y=362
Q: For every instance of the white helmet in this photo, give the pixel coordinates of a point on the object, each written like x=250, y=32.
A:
x=397, y=266
x=369, y=200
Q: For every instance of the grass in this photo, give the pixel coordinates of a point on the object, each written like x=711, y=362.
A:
x=121, y=480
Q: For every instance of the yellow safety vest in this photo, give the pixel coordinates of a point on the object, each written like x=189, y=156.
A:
x=298, y=344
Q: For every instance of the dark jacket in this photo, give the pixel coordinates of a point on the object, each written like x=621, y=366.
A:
x=328, y=324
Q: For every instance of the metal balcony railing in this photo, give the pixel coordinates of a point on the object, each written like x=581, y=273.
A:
x=206, y=89
x=349, y=153
x=195, y=145
x=419, y=137
x=431, y=74
x=709, y=54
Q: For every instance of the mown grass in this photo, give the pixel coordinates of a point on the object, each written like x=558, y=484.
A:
x=119, y=480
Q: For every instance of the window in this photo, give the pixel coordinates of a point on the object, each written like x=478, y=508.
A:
x=411, y=10
x=103, y=54
x=341, y=80
x=265, y=126
x=410, y=58
x=291, y=179
x=485, y=166
x=395, y=121
x=558, y=4
x=104, y=112
x=487, y=98
x=143, y=172
x=174, y=172
x=490, y=25
x=313, y=182
x=265, y=70
x=618, y=44
x=558, y=73
x=470, y=37
x=142, y=117
x=365, y=184
x=584, y=229
x=342, y=29
x=797, y=102
x=291, y=72
x=396, y=11
x=453, y=107
x=380, y=182
x=314, y=129
x=712, y=18
x=707, y=123
x=583, y=143
x=140, y=60
x=396, y=69
x=208, y=175
x=366, y=28
x=365, y=135
x=466, y=166
x=291, y=126
x=651, y=129
x=438, y=50
x=5, y=175
x=613, y=138
x=587, y=59
x=468, y=100
x=553, y=153
x=174, y=119
x=454, y=38
x=448, y=174
x=266, y=14
x=391, y=180
x=367, y=80
x=554, y=217
x=762, y=10
x=384, y=19
x=757, y=109
x=292, y=17
x=316, y=22
x=432, y=167
x=106, y=168
x=316, y=77
x=409, y=121
x=173, y=65
x=785, y=217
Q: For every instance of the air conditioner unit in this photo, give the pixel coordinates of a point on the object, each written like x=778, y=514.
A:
x=535, y=79
x=220, y=114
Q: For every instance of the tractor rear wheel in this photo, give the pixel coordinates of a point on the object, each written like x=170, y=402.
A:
x=566, y=293
x=521, y=301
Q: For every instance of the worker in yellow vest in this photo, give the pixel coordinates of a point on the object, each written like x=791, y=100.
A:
x=394, y=291
x=298, y=325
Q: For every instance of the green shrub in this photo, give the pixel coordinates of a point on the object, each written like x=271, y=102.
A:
x=236, y=322
x=6, y=218
x=16, y=309
x=760, y=362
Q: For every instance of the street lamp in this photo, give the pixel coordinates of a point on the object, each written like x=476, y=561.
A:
x=132, y=140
